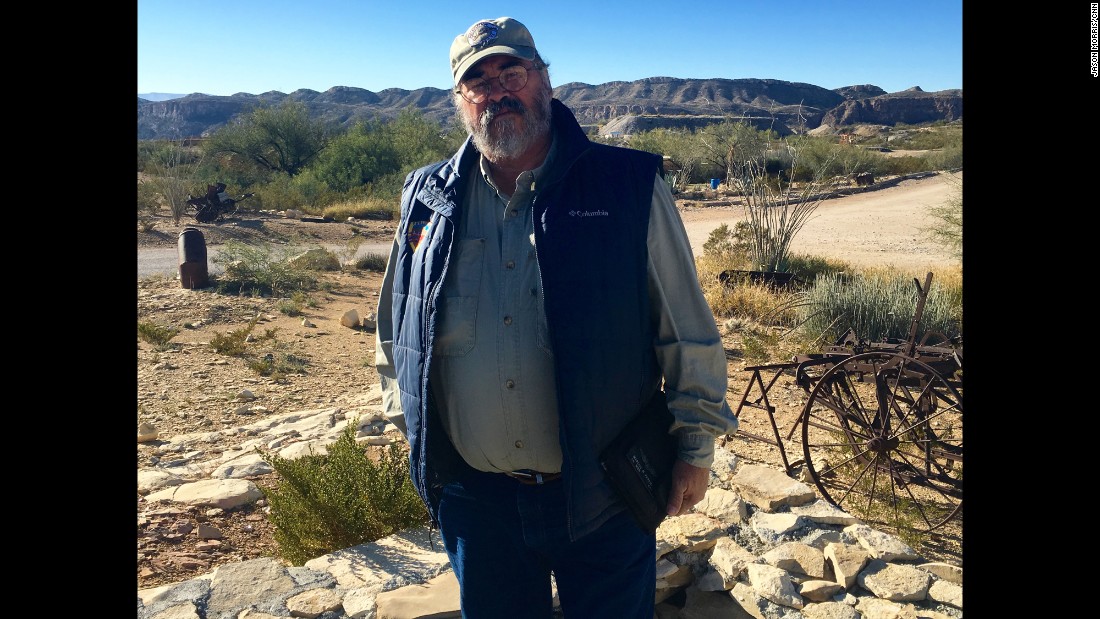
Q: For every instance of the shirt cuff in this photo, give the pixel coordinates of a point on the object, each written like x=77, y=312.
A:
x=697, y=449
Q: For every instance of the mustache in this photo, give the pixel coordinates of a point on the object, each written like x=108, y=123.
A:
x=507, y=104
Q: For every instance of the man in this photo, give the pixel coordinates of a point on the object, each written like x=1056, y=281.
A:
x=540, y=290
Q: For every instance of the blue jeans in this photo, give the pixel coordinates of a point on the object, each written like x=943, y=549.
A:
x=504, y=539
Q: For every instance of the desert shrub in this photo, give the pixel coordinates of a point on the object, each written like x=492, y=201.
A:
x=728, y=249
x=899, y=166
x=345, y=256
x=747, y=300
x=730, y=242
x=316, y=259
x=878, y=304
x=157, y=335
x=261, y=270
x=148, y=203
x=821, y=158
x=775, y=211
x=294, y=304
x=757, y=344
x=926, y=137
x=950, y=158
x=363, y=208
x=390, y=185
x=767, y=344
x=807, y=268
x=754, y=301
x=947, y=226
x=372, y=262
x=283, y=192
x=233, y=343
x=289, y=307
x=277, y=365
x=325, y=503
x=263, y=354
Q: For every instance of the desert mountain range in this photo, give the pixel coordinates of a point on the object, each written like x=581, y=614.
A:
x=611, y=108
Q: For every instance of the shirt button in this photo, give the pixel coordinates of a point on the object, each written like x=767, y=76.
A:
x=514, y=212
x=511, y=264
x=511, y=384
x=519, y=444
x=507, y=320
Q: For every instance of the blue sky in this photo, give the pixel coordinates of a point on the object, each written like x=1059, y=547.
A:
x=223, y=47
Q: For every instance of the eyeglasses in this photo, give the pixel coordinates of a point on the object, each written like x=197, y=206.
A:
x=511, y=79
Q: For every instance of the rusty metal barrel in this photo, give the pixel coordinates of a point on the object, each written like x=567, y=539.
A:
x=192, y=259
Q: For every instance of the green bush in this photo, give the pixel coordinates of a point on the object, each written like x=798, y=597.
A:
x=372, y=262
x=879, y=305
x=926, y=137
x=822, y=158
x=157, y=335
x=900, y=166
x=276, y=365
x=947, y=226
x=950, y=158
x=262, y=353
x=364, y=208
x=148, y=200
x=733, y=243
x=293, y=305
x=235, y=343
x=807, y=268
x=316, y=259
x=261, y=270
x=325, y=503
x=758, y=344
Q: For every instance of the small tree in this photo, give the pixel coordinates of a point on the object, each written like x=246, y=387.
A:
x=725, y=145
x=682, y=147
x=281, y=139
x=948, y=227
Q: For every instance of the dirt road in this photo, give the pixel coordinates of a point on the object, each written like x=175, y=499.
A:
x=876, y=228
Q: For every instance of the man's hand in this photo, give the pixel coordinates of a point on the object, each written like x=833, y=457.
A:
x=689, y=484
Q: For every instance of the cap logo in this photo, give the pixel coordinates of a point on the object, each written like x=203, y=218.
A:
x=482, y=34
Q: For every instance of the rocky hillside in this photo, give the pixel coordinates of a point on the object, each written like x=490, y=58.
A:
x=657, y=101
x=910, y=106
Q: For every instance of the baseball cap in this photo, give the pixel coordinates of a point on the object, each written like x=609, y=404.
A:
x=489, y=37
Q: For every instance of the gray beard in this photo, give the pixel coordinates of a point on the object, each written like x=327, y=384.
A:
x=502, y=141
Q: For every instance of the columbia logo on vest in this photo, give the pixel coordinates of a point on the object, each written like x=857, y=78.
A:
x=588, y=213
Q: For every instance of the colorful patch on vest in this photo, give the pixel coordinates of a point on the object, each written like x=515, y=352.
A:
x=417, y=232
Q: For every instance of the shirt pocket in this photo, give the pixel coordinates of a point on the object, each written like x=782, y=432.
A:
x=455, y=333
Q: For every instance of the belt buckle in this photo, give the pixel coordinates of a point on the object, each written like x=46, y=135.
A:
x=535, y=477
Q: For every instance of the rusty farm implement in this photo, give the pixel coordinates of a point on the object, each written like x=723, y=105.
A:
x=881, y=432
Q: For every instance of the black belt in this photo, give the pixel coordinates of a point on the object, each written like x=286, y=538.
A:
x=533, y=478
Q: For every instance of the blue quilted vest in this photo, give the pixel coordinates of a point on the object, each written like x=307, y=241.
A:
x=591, y=221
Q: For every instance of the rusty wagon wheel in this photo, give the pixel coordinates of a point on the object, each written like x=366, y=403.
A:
x=882, y=437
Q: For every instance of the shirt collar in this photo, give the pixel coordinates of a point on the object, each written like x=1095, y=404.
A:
x=537, y=174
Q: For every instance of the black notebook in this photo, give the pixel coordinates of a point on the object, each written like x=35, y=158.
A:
x=638, y=463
